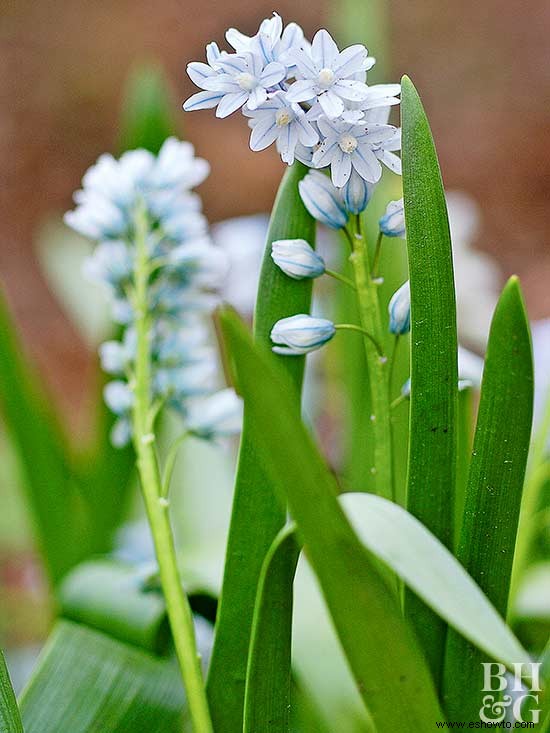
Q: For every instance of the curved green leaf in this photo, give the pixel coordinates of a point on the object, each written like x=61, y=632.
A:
x=146, y=119
x=257, y=515
x=32, y=423
x=87, y=682
x=115, y=599
x=10, y=720
x=381, y=651
x=268, y=679
x=433, y=408
x=495, y=484
x=433, y=573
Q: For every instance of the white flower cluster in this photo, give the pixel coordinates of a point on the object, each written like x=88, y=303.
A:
x=184, y=266
x=311, y=100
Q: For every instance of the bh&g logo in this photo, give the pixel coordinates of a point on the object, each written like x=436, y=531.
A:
x=497, y=680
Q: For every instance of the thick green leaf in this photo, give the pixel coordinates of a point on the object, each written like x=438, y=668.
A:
x=433, y=573
x=117, y=600
x=10, y=720
x=382, y=653
x=433, y=408
x=268, y=679
x=464, y=451
x=58, y=509
x=257, y=515
x=88, y=682
x=147, y=118
x=495, y=484
x=544, y=699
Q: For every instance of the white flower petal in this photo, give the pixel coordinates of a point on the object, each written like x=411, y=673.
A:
x=198, y=72
x=272, y=74
x=237, y=40
x=354, y=91
x=324, y=50
x=292, y=37
x=351, y=60
x=230, y=103
x=332, y=104
x=257, y=97
x=265, y=133
x=286, y=142
x=301, y=91
x=340, y=169
x=366, y=164
x=304, y=63
x=325, y=153
x=306, y=132
x=391, y=160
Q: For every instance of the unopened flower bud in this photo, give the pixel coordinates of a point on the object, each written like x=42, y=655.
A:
x=301, y=334
x=399, y=309
x=357, y=193
x=297, y=258
x=323, y=200
x=392, y=224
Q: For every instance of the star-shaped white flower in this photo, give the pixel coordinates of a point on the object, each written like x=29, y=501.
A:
x=271, y=41
x=282, y=122
x=360, y=147
x=328, y=75
x=233, y=81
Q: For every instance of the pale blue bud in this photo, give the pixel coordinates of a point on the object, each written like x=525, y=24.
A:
x=399, y=309
x=297, y=258
x=219, y=415
x=113, y=357
x=357, y=193
x=118, y=396
x=96, y=217
x=121, y=432
x=301, y=334
x=392, y=224
x=323, y=200
x=111, y=263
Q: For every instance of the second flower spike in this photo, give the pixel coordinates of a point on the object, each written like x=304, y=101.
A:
x=297, y=259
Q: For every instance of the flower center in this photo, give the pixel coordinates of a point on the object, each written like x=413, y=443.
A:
x=283, y=117
x=347, y=143
x=246, y=81
x=325, y=77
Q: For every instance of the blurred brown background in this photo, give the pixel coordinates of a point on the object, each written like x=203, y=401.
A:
x=482, y=68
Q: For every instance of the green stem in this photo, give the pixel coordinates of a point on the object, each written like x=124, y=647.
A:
x=341, y=278
x=376, y=259
x=177, y=605
x=170, y=463
x=354, y=327
x=371, y=321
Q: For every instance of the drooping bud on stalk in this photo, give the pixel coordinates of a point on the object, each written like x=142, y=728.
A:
x=392, y=224
x=399, y=309
x=301, y=334
x=297, y=259
x=357, y=193
x=323, y=200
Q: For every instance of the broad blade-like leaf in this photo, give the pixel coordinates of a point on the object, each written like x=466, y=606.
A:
x=88, y=682
x=58, y=509
x=389, y=669
x=10, y=720
x=257, y=515
x=494, y=490
x=433, y=573
x=268, y=679
x=433, y=409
